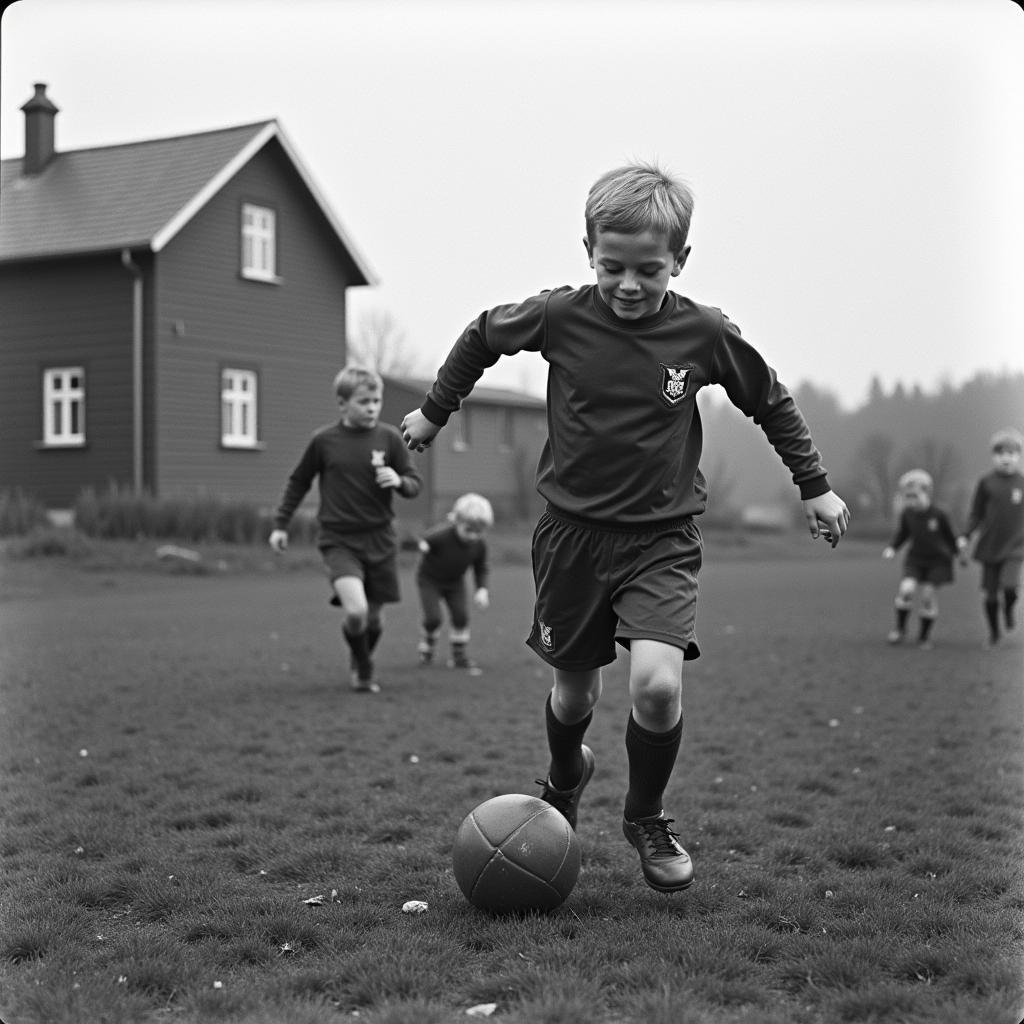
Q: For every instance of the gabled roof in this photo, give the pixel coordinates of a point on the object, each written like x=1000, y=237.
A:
x=135, y=195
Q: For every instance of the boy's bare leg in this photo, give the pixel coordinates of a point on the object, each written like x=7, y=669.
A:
x=355, y=611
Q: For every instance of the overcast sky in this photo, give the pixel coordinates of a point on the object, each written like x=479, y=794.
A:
x=858, y=166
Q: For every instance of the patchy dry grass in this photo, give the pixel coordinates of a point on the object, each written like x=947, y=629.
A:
x=183, y=769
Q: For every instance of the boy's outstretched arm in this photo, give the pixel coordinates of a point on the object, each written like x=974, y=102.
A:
x=827, y=516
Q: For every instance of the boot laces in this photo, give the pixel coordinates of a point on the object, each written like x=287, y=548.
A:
x=661, y=837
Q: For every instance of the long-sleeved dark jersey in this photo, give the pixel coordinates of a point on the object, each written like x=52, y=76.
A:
x=624, y=432
x=448, y=557
x=997, y=511
x=344, y=461
x=932, y=539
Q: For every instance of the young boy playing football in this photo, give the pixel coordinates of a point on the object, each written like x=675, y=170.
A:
x=928, y=563
x=360, y=464
x=617, y=551
x=997, y=516
x=447, y=552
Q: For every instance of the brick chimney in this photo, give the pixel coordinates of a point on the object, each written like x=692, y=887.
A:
x=40, y=114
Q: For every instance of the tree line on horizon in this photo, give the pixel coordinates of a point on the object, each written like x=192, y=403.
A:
x=865, y=450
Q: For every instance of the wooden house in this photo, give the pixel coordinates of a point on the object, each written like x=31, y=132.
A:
x=172, y=312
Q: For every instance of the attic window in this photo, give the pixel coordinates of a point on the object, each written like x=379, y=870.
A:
x=64, y=406
x=259, y=243
x=238, y=409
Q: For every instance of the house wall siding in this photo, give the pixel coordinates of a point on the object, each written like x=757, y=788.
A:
x=208, y=317
x=68, y=312
x=503, y=472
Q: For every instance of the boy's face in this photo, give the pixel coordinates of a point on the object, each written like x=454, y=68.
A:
x=469, y=530
x=916, y=497
x=633, y=271
x=362, y=408
x=1006, y=460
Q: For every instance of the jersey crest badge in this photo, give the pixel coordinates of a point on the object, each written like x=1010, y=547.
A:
x=378, y=457
x=675, y=383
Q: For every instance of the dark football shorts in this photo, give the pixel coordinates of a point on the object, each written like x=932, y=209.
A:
x=936, y=573
x=370, y=555
x=996, y=576
x=598, y=585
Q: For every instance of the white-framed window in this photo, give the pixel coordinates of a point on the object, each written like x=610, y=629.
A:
x=238, y=397
x=259, y=242
x=64, y=405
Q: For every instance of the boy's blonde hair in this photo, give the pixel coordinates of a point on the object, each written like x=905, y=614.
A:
x=640, y=197
x=916, y=480
x=351, y=377
x=473, y=508
x=1008, y=438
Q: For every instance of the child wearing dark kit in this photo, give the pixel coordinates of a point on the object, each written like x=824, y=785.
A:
x=928, y=563
x=359, y=464
x=617, y=551
x=997, y=517
x=447, y=552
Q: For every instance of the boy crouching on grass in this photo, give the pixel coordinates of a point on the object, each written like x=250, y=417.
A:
x=360, y=464
x=928, y=564
x=617, y=552
x=447, y=552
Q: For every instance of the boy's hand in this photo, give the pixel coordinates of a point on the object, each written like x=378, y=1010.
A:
x=418, y=431
x=481, y=598
x=387, y=476
x=889, y=553
x=827, y=516
x=278, y=540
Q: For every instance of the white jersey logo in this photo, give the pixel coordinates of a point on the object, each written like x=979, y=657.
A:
x=546, y=639
x=675, y=382
x=378, y=457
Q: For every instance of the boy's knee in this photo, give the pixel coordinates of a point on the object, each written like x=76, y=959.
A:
x=355, y=621
x=905, y=594
x=657, y=696
x=432, y=624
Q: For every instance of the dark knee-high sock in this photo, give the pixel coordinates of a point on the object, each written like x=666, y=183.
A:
x=359, y=646
x=651, y=757
x=564, y=742
x=927, y=621
x=1009, y=602
x=372, y=636
x=992, y=617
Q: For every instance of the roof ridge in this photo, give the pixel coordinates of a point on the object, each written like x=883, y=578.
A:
x=254, y=125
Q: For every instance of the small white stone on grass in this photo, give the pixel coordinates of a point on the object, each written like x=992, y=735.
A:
x=414, y=907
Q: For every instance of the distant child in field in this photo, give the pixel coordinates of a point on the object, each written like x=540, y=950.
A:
x=617, y=551
x=448, y=550
x=360, y=464
x=997, y=516
x=928, y=563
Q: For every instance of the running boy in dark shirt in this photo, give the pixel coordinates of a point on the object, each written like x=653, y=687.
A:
x=359, y=464
x=448, y=550
x=617, y=551
x=997, y=516
x=928, y=564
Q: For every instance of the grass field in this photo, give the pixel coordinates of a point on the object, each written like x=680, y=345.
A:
x=184, y=772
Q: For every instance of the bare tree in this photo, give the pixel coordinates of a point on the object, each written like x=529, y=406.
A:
x=380, y=344
x=875, y=472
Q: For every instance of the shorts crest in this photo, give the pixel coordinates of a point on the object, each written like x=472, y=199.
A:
x=675, y=383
